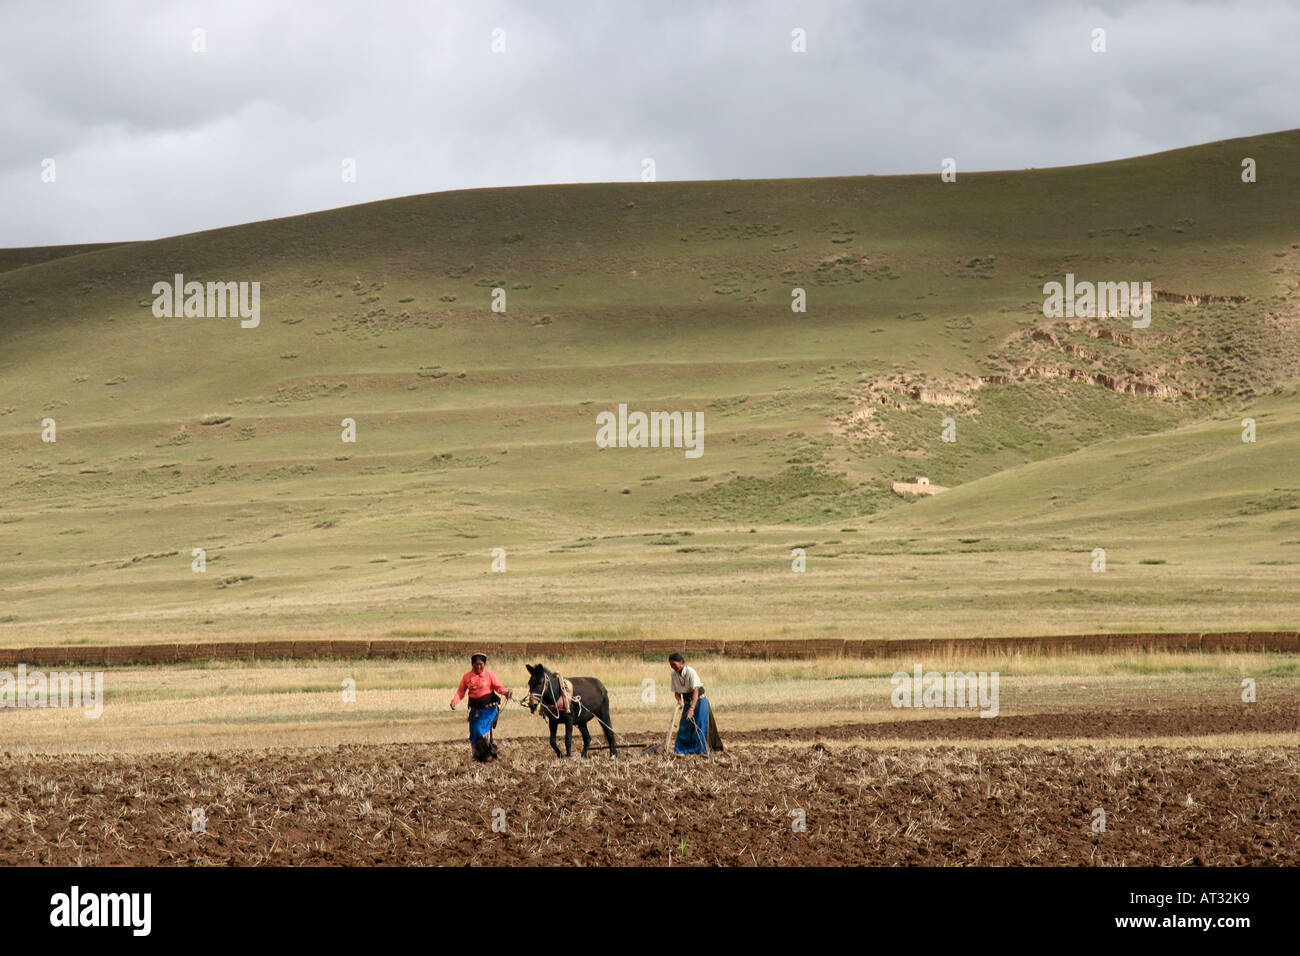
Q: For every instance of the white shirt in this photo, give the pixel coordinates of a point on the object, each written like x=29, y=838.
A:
x=686, y=680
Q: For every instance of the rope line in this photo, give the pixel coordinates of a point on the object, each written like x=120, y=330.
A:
x=553, y=711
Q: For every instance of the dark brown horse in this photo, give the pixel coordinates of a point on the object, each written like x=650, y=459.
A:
x=590, y=699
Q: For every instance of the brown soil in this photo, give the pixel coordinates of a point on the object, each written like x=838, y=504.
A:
x=413, y=804
x=801, y=648
x=1186, y=722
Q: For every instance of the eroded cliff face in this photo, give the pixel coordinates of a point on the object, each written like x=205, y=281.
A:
x=902, y=392
x=1202, y=346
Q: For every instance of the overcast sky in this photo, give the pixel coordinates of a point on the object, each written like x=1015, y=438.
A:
x=150, y=138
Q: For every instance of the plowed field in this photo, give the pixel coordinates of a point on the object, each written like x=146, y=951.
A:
x=832, y=795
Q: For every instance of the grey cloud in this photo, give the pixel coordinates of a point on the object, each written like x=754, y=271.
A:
x=152, y=139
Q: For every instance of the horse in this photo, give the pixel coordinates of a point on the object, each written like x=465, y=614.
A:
x=590, y=699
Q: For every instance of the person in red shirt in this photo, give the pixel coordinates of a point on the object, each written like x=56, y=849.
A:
x=482, y=687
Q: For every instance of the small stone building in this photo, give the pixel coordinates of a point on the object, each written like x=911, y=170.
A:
x=916, y=485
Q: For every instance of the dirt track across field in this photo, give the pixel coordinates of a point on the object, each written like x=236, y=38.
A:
x=1281, y=717
x=807, y=648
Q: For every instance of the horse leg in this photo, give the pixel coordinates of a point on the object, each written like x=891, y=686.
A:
x=568, y=737
x=586, y=738
x=609, y=730
x=554, y=746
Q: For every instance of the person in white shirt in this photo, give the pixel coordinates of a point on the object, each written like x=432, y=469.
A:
x=697, y=731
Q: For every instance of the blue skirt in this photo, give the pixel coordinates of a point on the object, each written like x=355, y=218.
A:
x=481, y=722
x=693, y=735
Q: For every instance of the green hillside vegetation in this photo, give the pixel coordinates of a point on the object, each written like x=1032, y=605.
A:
x=476, y=430
x=11, y=259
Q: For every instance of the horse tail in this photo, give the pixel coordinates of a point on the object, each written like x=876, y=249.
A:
x=606, y=725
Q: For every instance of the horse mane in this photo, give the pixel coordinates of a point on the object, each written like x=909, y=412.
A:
x=551, y=683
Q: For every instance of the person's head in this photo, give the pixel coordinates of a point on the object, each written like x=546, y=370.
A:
x=676, y=661
x=478, y=662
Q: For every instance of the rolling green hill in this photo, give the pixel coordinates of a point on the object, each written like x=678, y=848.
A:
x=476, y=429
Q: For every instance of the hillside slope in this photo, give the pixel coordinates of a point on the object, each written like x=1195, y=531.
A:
x=476, y=430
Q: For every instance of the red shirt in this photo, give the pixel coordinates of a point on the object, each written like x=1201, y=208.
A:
x=478, y=685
